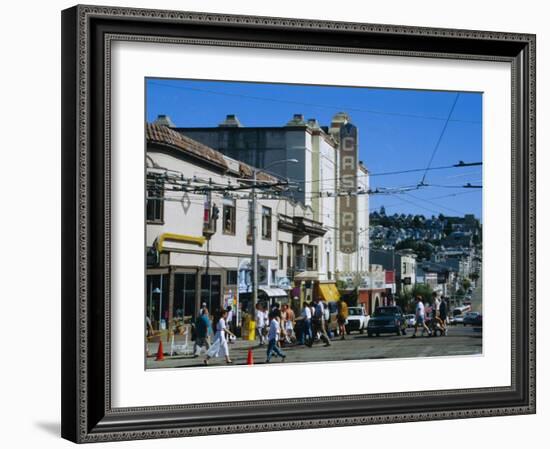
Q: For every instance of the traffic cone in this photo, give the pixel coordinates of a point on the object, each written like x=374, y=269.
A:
x=160, y=353
x=250, y=358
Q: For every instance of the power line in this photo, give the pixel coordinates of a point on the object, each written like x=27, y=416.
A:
x=337, y=108
x=440, y=137
x=435, y=204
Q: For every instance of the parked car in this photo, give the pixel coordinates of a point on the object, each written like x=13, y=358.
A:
x=410, y=319
x=473, y=319
x=386, y=320
x=357, y=320
x=456, y=319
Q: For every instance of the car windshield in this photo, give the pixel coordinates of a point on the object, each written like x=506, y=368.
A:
x=385, y=311
x=354, y=311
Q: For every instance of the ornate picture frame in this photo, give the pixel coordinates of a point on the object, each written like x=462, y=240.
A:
x=87, y=411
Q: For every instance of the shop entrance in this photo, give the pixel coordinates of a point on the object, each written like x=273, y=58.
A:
x=184, y=296
x=211, y=292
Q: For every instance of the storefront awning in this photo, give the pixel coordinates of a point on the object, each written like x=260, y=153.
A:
x=329, y=292
x=306, y=276
x=274, y=292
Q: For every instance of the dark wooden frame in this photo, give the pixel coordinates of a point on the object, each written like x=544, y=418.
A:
x=87, y=32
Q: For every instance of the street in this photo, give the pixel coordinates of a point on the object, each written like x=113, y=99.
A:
x=460, y=341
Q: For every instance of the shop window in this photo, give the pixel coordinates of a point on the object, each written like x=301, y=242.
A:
x=228, y=214
x=231, y=278
x=155, y=201
x=266, y=223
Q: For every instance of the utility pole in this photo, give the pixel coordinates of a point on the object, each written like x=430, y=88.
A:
x=254, y=247
x=254, y=231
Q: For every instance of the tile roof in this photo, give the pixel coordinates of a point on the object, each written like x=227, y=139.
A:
x=166, y=136
x=163, y=135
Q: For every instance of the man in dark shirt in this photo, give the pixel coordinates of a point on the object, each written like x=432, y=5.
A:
x=203, y=328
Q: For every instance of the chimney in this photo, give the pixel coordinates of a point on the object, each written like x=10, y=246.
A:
x=297, y=120
x=313, y=123
x=164, y=120
x=231, y=121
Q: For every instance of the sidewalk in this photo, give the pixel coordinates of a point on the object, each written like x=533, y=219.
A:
x=186, y=351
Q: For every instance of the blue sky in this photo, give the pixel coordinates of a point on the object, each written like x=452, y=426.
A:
x=399, y=129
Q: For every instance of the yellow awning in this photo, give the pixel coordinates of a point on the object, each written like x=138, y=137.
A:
x=329, y=292
x=178, y=238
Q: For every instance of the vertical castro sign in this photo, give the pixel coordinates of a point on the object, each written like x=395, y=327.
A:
x=348, y=184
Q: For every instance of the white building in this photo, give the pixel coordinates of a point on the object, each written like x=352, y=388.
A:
x=195, y=257
x=318, y=174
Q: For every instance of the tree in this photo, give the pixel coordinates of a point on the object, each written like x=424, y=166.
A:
x=421, y=248
x=423, y=290
x=466, y=284
x=405, y=299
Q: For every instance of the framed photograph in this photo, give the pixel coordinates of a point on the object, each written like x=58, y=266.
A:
x=274, y=224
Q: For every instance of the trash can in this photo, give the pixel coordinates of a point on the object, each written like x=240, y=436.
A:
x=251, y=330
x=244, y=326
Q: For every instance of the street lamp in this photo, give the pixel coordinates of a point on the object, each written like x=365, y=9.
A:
x=159, y=291
x=253, y=226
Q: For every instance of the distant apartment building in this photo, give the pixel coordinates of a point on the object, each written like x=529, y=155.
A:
x=402, y=263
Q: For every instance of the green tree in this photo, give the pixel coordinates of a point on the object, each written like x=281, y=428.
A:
x=405, y=300
x=421, y=248
x=423, y=290
x=466, y=284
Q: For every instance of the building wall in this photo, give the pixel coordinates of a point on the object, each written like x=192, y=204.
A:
x=184, y=215
x=316, y=172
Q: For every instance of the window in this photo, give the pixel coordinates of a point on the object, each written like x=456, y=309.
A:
x=289, y=262
x=266, y=223
x=231, y=277
x=155, y=202
x=281, y=255
x=300, y=260
x=311, y=257
x=228, y=216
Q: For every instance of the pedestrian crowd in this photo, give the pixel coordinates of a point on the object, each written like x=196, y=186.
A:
x=431, y=318
x=278, y=326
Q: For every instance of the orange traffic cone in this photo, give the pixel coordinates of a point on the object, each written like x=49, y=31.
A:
x=250, y=358
x=160, y=353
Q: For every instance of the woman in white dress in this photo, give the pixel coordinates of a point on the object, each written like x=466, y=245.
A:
x=219, y=346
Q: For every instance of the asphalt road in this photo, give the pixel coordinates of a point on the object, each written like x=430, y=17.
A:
x=460, y=341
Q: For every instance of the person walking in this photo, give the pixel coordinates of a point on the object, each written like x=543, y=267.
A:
x=273, y=338
x=319, y=325
x=219, y=346
x=342, y=318
x=260, y=323
x=287, y=324
x=420, y=317
x=203, y=328
x=306, y=336
x=443, y=311
x=437, y=323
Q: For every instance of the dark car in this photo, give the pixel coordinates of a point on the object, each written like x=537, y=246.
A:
x=473, y=319
x=387, y=320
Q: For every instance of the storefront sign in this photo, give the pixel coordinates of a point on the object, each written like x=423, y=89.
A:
x=348, y=187
x=284, y=283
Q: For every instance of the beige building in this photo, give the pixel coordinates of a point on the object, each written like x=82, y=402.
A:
x=199, y=243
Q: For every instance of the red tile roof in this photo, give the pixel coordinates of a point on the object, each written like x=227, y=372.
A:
x=165, y=136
